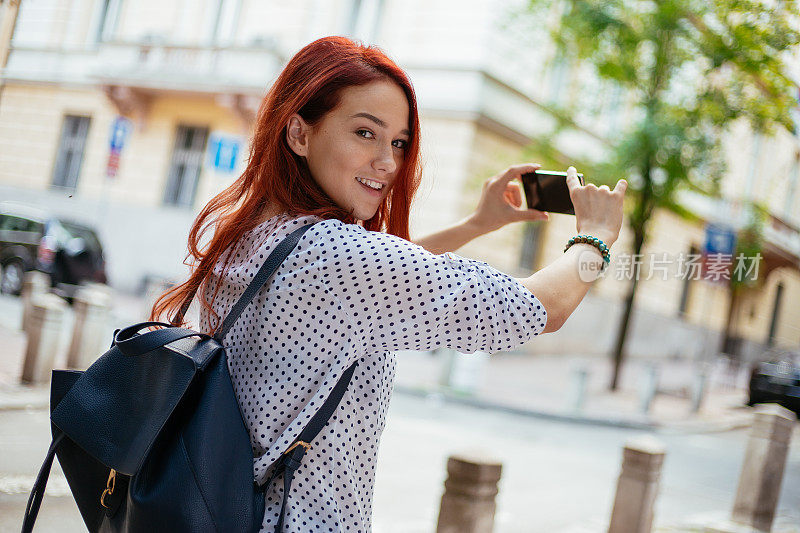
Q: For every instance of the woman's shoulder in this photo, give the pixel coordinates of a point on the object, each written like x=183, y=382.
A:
x=334, y=231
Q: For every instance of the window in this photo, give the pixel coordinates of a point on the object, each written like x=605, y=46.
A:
x=687, y=285
x=793, y=178
x=776, y=312
x=559, y=71
x=364, y=19
x=15, y=223
x=530, y=246
x=70, y=151
x=107, y=20
x=187, y=162
x=223, y=22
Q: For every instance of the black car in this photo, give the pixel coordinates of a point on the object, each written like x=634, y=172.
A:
x=30, y=239
x=776, y=383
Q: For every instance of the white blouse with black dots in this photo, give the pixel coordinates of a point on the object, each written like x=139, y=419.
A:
x=346, y=294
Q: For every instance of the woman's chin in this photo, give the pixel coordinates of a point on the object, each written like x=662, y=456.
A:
x=364, y=214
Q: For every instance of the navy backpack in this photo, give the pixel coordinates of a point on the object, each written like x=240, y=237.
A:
x=151, y=438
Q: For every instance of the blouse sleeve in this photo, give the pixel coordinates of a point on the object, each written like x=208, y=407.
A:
x=402, y=297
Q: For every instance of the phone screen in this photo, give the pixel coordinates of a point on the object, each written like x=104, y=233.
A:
x=547, y=190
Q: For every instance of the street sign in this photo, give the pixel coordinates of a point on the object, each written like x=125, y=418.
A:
x=112, y=166
x=222, y=151
x=718, y=250
x=720, y=239
x=118, y=136
x=120, y=130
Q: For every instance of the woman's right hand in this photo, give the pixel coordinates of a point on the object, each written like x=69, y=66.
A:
x=598, y=210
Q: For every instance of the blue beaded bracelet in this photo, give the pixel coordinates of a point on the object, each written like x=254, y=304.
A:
x=594, y=241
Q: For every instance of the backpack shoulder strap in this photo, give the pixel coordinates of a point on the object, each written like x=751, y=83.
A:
x=269, y=267
x=293, y=456
x=325, y=412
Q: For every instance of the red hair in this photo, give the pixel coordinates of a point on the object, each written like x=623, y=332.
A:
x=275, y=177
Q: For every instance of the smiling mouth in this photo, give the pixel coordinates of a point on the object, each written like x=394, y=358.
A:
x=371, y=184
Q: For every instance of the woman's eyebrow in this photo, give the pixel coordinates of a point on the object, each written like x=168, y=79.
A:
x=377, y=121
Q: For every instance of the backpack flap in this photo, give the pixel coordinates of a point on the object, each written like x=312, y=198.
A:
x=117, y=408
x=85, y=475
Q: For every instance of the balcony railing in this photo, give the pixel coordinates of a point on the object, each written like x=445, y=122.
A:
x=152, y=66
x=188, y=68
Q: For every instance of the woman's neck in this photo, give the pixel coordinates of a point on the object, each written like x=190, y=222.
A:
x=269, y=213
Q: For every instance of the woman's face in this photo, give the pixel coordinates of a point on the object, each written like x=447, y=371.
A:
x=356, y=150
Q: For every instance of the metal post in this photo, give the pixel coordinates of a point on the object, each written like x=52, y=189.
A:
x=637, y=487
x=466, y=372
x=153, y=289
x=649, y=388
x=579, y=380
x=43, y=336
x=468, y=503
x=8, y=21
x=699, y=381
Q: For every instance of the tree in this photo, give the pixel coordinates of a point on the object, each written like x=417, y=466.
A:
x=690, y=68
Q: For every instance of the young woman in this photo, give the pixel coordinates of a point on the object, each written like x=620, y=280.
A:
x=336, y=144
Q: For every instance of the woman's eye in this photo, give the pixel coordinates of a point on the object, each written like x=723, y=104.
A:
x=399, y=143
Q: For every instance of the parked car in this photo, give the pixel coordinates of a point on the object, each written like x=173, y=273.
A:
x=776, y=382
x=31, y=239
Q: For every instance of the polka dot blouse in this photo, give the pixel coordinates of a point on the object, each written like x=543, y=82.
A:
x=346, y=294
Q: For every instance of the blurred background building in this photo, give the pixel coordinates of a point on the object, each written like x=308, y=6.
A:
x=130, y=116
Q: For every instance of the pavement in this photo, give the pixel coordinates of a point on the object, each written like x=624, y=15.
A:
x=575, y=388
x=561, y=387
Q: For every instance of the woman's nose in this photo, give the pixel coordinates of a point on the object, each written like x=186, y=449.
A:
x=384, y=160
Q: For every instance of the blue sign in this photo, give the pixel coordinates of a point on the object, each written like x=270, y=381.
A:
x=120, y=130
x=223, y=151
x=720, y=239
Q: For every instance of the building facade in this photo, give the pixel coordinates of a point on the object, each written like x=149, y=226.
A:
x=188, y=78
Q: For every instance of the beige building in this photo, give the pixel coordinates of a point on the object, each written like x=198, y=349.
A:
x=189, y=77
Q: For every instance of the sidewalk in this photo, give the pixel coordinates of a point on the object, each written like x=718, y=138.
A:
x=533, y=385
x=547, y=386
x=13, y=395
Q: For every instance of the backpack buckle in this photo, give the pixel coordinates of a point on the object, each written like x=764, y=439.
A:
x=305, y=445
x=112, y=477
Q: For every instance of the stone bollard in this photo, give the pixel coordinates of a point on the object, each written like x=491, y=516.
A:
x=44, y=331
x=637, y=487
x=762, y=472
x=35, y=282
x=91, y=309
x=468, y=504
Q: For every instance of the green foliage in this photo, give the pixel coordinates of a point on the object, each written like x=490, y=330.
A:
x=689, y=68
x=749, y=244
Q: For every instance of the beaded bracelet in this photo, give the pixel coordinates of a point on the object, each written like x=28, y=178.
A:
x=594, y=241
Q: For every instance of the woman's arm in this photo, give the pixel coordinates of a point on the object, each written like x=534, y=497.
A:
x=562, y=284
x=453, y=237
x=559, y=286
x=500, y=204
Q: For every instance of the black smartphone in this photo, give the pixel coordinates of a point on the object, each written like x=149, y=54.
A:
x=546, y=190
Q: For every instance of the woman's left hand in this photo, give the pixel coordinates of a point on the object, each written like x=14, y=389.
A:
x=501, y=200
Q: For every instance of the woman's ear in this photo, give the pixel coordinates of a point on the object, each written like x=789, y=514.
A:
x=297, y=135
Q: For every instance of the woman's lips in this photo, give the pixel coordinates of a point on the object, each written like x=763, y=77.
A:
x=369, y=189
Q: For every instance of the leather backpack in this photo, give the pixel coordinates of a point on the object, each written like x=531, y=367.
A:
x=151, y=438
